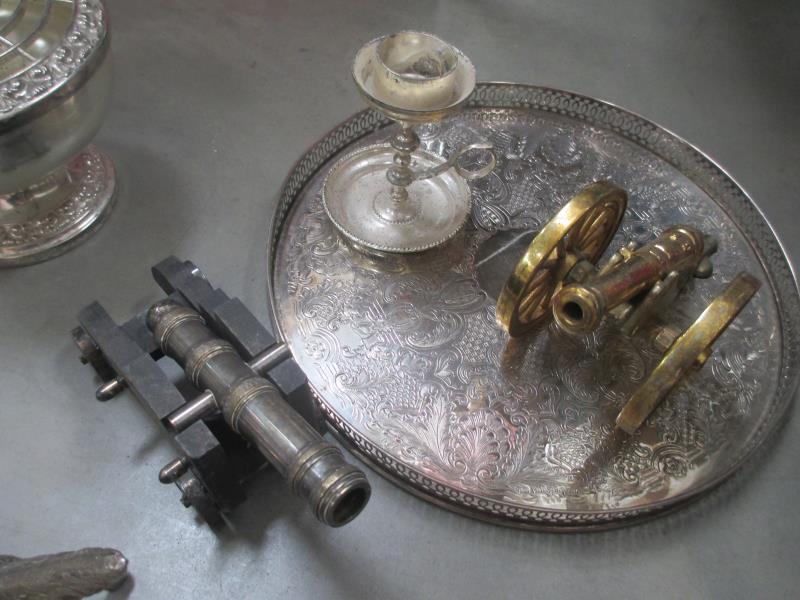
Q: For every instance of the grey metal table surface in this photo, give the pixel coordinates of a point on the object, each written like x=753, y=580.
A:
x=212, y=105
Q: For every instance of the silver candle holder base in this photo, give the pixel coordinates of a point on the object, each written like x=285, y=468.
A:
x=360, y=204
x=50, y=217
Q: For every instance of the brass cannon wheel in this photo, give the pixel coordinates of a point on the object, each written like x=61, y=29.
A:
x=582, y=229
x=689, y=350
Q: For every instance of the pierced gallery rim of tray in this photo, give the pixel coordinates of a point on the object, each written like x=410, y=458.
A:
x=415, y=375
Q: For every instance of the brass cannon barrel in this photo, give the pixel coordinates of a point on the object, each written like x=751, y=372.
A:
x=253, y=407
x=579, y=307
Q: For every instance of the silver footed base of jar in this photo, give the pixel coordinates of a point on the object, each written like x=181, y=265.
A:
x=56, y=214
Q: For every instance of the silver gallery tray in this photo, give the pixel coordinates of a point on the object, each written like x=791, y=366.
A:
x=415, y=375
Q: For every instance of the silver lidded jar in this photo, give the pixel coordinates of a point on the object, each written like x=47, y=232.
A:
x=55, y=88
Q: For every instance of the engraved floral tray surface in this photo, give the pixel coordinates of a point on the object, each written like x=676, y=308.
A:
x=413, y=372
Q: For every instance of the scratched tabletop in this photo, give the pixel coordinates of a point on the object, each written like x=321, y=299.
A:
x=213, y=103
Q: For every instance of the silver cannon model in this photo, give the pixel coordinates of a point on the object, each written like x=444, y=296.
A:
x=253, y=407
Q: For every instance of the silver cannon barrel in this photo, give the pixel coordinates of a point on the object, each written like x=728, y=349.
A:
x=254, y=408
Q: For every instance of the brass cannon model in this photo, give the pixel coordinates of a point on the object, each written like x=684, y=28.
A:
x=636, y=283
x=558, y=275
